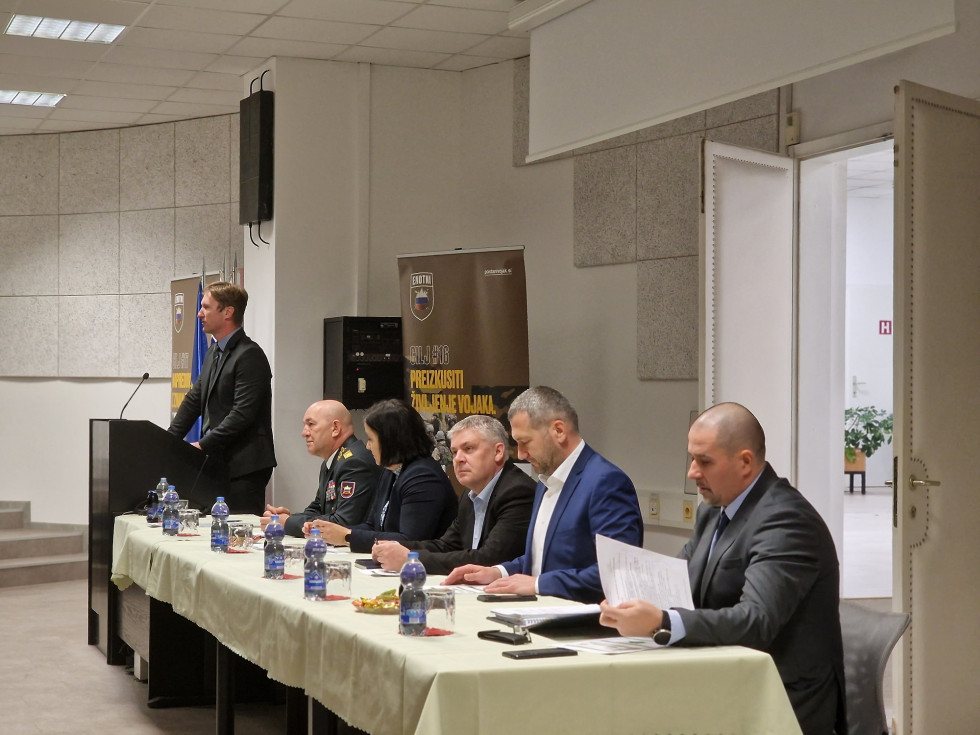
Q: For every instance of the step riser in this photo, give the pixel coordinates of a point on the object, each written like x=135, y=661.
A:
x=26, y=548
x=60, y=572
x=11, y=519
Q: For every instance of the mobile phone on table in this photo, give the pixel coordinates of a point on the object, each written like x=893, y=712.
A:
x=503, y=636
x=506, y=598
x=539, y=653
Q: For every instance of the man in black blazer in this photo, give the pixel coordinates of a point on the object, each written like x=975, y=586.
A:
x=492, y=518
x=233, y=395
x=348, y=474
x=767, y=578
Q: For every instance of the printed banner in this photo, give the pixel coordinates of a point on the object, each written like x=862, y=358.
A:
x=187, y=340
x=464, y=334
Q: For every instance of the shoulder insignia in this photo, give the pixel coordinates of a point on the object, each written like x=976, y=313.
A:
x=347, y=489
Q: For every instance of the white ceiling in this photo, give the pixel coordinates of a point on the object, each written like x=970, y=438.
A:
x=179, y=59
x=871, y=176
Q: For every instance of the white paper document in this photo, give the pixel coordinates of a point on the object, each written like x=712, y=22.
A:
x=631, y=573
x=612, y=646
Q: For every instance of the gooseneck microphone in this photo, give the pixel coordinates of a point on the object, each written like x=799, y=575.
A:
x=145, y=376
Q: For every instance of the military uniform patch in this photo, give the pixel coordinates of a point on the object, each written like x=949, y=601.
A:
x=346, y=453
x=347, y=489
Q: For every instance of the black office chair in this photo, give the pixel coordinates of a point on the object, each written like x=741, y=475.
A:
x=869, y=637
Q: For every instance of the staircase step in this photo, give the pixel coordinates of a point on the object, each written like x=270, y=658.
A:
x=19, y=543
x=43, y=569
x=11, y=518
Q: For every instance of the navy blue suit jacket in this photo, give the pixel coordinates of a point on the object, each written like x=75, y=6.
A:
x=597, y=497
x=419, y=503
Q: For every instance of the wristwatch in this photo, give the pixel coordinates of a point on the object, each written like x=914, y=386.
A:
x=347, y=538
x=661, y=636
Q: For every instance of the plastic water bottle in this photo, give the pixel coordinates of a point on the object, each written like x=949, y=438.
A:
x=171, y=514
x=275, y=552
x=153, y=501
x=219, y=526
x=411, y=602
x=314, y=569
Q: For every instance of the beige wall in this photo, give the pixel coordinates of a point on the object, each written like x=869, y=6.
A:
x=93, y=226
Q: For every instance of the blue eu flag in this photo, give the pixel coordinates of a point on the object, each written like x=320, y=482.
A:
x=197, y=360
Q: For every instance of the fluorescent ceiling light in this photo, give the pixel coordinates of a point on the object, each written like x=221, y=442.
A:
x=65, y=30
x=35, y=99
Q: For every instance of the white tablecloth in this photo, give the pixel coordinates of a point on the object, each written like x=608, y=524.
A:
x=358, y=666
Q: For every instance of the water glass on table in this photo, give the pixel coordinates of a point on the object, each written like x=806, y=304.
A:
x=440, y=611
x=189, y=522
x=338, y=579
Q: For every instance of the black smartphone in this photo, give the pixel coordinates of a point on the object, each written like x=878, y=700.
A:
x=506, y=598
x=504, y=636
x=367, y=563
x=539, y=653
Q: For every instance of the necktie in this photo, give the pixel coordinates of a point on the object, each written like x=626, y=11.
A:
x=719, y=529
x=205, y=416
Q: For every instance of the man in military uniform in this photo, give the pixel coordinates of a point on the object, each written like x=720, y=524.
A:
x=348, y=474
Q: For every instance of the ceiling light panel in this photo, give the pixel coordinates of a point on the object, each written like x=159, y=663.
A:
x=62, y=29
x=35, y=99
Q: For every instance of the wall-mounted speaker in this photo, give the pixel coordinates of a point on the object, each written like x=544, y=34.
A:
x=362, y=360
x=255, y=161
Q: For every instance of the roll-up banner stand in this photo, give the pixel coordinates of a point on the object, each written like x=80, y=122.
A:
x=184, y=305
x=464, y=334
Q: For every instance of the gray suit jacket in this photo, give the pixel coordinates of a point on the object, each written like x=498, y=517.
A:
x=773, y=584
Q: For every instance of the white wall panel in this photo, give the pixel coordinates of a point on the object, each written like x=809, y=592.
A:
x=614, y=66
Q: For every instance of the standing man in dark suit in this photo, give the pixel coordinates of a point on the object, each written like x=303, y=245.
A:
x=492, y=518
x=348, y=473
x=233, y=395
x=580, y=494
x=766, y=578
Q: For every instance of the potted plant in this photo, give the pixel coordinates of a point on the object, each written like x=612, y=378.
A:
x=866, y=430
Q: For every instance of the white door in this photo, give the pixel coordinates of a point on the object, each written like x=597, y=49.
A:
x=747, y=295
x=937, y=409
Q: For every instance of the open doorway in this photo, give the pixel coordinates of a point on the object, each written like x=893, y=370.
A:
x=866, y=570
x=845, y=308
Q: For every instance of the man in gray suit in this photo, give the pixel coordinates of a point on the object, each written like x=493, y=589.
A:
x=767, y=577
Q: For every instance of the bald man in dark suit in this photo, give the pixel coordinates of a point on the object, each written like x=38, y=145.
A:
x=767, y=577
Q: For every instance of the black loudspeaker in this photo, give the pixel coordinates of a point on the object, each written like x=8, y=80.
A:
x=255, y=160
x=362, y=359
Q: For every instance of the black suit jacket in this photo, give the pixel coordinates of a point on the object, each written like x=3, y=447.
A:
x=345, y=490
x=773, y=584
x=418, y=503
x=239, y=404
x=504, y=527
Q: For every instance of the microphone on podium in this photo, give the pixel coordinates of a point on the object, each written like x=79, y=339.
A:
x=145, y=376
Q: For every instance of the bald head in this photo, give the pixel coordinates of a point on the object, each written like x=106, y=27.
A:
x=728, y=450
x=326, y=425
x=736, y=429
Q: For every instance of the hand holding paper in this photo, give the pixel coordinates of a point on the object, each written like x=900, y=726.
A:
x=630, y=573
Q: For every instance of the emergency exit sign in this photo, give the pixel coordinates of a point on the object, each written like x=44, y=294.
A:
x=885, y=326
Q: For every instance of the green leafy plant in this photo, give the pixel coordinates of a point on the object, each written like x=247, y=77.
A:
x=866, y=428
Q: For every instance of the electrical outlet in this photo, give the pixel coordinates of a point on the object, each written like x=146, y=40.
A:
x=689, y=511
x=654, y=512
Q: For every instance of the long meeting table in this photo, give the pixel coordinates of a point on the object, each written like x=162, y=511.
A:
x=359, y=667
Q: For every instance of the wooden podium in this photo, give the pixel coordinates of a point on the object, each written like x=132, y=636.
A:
x=126, y=460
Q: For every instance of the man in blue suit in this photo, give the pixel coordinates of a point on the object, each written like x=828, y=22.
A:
x=579, y=494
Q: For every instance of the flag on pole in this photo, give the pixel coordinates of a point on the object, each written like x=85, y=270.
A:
x=197, y=358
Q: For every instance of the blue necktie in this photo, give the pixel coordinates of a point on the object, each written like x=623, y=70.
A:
x=719, y=529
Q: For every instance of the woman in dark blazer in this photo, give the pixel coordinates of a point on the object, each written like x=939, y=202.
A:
x=414, y=498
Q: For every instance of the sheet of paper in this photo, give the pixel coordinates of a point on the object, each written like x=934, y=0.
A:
x=631, y=573
x=467, y=589
x=610, y=646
